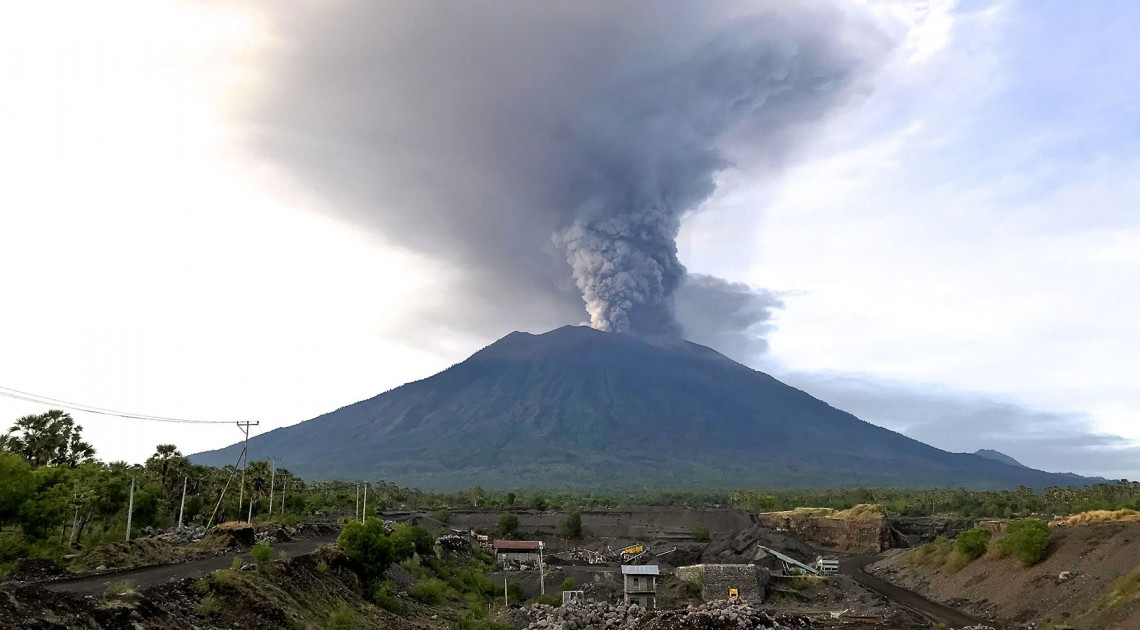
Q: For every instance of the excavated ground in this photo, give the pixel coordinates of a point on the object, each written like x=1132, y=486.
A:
x=1070, y=588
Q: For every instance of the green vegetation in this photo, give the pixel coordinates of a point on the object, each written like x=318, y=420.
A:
x=568, y=585
x=383, y=594
x=508, y=524
x=261, y=553
x=701, y=532
x=343, y=618
x=369, y=544
x=972, y=543
x=1027, y=539
x=571, y=526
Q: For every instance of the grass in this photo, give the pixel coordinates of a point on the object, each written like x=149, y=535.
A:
x=1100, y=516
x=859, y=513
x=124, y=587
x=1123, y=592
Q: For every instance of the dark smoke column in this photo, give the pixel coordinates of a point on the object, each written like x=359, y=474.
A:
x=648, y=150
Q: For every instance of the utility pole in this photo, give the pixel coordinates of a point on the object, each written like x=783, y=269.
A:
x=284, y=484
x=130, y=508
x=541, y=571
x=272, y=471
x=182, y=508
x=356, y=514
x=506, y=602
x=244, y=426
x=364, y=512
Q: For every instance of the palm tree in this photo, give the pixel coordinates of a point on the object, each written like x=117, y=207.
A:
x=48, y=439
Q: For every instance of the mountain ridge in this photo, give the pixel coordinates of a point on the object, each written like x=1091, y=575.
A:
x=577, y=407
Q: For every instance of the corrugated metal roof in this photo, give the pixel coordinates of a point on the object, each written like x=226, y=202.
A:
x=518, y=545
x=640, y=569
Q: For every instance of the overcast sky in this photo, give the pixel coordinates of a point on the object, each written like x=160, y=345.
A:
x=257, y=211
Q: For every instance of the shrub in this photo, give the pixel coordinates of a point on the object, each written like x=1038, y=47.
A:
x=957, y=561
x=508, y=524
x=539, y=502
x=343, y=618
x=209, y=605
x=995, y=548
x=1028, y=539
x=571, y=526
x=383, y=594
x=569, y=585
x=236, y=564
x=972, y=542
x=368, y=544
x=261, y=553
x=430, y=591
x=549, y=600
x=443, y=515
x=701, y=532
x=411, y=538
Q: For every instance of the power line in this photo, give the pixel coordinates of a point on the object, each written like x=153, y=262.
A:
x=44, y=400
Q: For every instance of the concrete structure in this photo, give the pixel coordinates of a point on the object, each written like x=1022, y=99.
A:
x=826, y=566
x=639, y=582
x=719, y=580
x=518, y=553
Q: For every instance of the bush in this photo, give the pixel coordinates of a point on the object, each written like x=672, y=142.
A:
x=571, y=526
x=972, y=542
x=701, y=532
x=261, y=553
x=430, y=591
x=1028, y=539
x=957, y=561
x=443, y=515
x=343, y=618
x=568, y=585
x=407, y=539
x=508, y=524
x=368, y=544
x=383, y=594
x=995, y=548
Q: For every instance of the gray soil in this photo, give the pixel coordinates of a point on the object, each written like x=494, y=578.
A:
x=152, y=576
x=932, y=611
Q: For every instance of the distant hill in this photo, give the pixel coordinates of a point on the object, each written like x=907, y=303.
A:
x=576, y=407
x=998, y=456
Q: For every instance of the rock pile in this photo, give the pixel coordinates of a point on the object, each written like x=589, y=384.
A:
x=591, y=615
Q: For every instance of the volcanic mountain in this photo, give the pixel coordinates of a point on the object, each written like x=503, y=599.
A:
x=576, y=407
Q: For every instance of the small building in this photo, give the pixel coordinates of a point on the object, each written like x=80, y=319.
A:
x=518, y=553
x=639, y=582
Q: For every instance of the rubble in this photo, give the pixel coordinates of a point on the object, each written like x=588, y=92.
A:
x=592, y=615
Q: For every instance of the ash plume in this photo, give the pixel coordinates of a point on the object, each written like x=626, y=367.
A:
x=511, y=139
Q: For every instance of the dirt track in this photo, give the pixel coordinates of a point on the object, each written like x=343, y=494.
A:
x=932, y=611
x=150, y=576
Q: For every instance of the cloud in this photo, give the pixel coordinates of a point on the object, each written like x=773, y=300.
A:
x=732, y=317
x=548, y=151
x=965, y=422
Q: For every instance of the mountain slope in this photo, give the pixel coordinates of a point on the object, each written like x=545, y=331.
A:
x=579, y=407
x=997, y=456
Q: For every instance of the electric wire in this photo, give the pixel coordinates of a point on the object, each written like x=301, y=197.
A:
x=45, y=400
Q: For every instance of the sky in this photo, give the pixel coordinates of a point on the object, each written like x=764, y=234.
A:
x=920, y=212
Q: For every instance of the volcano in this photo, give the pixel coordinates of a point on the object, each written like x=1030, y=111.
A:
x=577, y=407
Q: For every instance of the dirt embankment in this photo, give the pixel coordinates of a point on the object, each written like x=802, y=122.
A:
x=310, y=591
x=1072, y=587
x=638, y=523
x=862, y=529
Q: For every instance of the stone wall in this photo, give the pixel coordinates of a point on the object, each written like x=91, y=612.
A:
x=749, y=580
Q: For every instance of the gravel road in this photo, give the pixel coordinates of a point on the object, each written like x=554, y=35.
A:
x=932, y=611
x=150, y=576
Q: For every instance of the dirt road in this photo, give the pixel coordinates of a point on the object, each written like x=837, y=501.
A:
x=149, y=576
x=932, y=611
